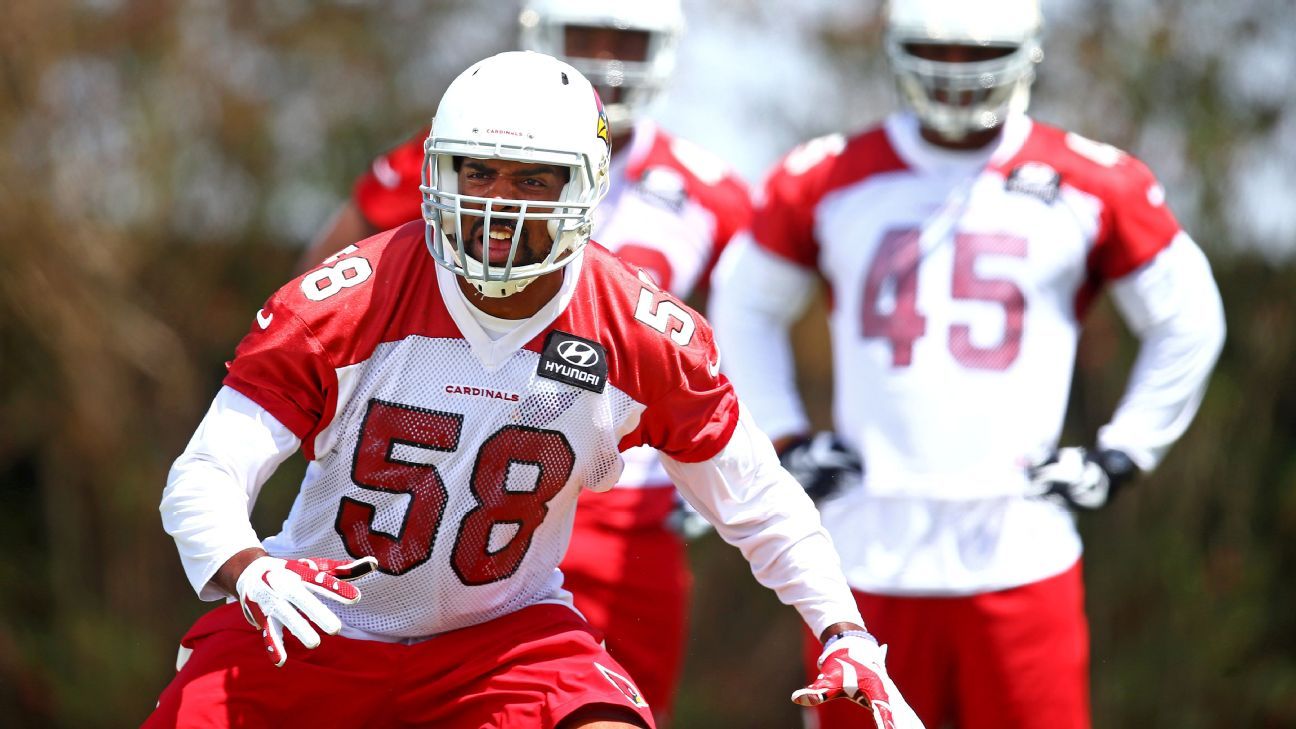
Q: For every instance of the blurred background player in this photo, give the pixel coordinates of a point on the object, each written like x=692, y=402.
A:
x=456, y=383
x=962, y=242
x=671, y=208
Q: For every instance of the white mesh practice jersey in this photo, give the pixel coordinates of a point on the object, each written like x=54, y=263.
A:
x=671, y=209
x=456, y=459
x=957, y=282
x=956, y=290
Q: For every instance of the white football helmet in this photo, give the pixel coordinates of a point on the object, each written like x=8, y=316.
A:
x=543, y=24
x=989, y=89
x=525, y=107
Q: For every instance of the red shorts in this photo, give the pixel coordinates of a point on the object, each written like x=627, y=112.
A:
x=630, y=577
x=528, y=669
x=1012, y=659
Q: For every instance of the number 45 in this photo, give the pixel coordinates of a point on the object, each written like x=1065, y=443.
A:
x=896, y=262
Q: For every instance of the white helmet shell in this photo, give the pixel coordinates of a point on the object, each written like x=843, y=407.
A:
x=523, y=107
x=990, y=89
x=543, y=24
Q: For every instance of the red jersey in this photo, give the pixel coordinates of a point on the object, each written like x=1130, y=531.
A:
x=455, y=458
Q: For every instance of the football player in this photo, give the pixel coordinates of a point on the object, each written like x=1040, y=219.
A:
x=670, y=209
x=455, y=384
x=963, y=242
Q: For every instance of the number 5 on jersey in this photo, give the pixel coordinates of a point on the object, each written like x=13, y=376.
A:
x=663, y=314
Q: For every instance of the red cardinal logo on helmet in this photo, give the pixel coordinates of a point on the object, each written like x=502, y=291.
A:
x=602, y=130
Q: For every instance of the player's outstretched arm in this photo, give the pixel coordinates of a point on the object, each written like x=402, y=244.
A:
x=759, y=508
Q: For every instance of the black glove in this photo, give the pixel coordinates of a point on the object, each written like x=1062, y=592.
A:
x=822, y=464
x=685, y=521
x=1081, y=478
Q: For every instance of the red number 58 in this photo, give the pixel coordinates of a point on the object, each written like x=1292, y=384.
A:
x=474, y=559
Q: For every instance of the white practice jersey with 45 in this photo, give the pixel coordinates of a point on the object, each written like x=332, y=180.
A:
x=957, y=283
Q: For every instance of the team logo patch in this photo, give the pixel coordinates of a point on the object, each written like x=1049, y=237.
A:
x=1036, y=179
x=623, y=684
x=570, y=359
x=664, y=187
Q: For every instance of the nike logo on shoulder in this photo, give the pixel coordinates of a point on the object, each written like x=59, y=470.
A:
x=264, y=319
x=713, y=368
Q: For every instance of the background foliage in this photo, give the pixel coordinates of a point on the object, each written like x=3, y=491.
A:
x=161, y=161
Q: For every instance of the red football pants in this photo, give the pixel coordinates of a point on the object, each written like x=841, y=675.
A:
x=630, y=577
x=1011, y=659
x=529, y=669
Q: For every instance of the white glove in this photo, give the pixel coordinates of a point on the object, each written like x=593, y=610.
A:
x=854, y=667
x=276, y=594
x=1081, y=478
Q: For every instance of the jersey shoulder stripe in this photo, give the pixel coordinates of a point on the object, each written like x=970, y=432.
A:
x=660, y=352
x=1135, y=223
x=334, y=316
x=709, y=182
x=784, y=217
